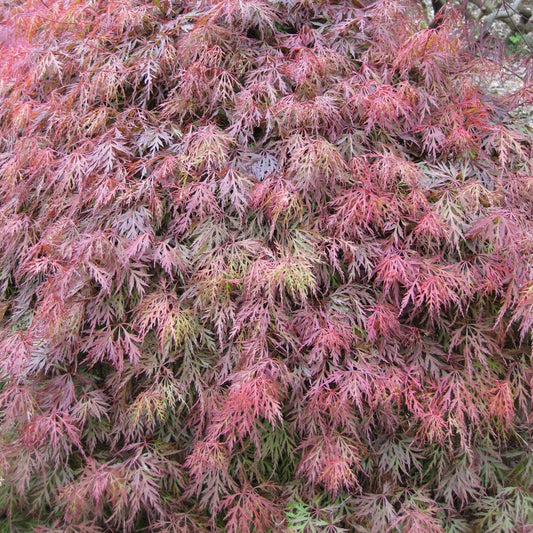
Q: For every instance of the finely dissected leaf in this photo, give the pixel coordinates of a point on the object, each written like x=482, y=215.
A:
x=265, y=265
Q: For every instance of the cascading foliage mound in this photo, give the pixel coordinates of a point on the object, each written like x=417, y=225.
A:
x=264, y=266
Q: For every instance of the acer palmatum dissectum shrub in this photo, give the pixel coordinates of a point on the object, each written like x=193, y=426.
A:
x=265, y=266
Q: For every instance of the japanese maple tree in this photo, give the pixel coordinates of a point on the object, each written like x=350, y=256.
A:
x=264, y=266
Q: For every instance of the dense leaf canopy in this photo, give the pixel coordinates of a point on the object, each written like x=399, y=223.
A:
x=264, y=266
